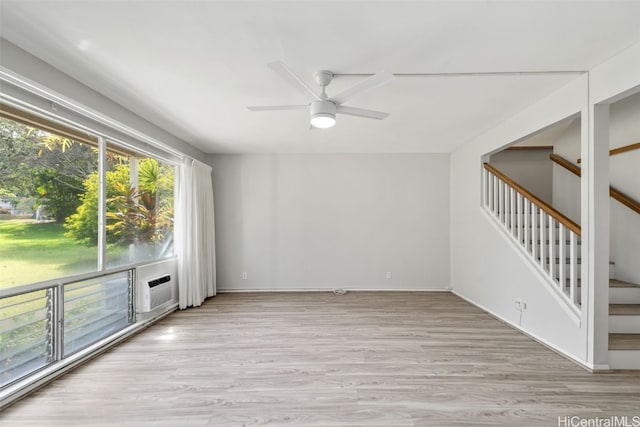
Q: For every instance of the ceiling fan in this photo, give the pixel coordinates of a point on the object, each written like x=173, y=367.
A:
x=322, y=108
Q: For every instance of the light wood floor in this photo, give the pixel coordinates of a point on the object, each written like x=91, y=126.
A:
x=318, y=359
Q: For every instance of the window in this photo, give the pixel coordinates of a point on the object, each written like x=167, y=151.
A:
x=42, y=177
x=139, y=208
x=77, y=213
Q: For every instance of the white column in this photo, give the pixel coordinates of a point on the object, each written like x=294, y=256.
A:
x=595, y=229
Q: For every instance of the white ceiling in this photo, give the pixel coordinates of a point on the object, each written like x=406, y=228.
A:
x=192, y=67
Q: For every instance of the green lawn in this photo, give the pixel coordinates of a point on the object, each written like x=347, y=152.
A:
x=31, y=252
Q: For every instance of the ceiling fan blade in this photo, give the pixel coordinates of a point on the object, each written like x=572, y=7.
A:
x=277, y=107
x=370, y=83
x=284, y=72
x=361, y=112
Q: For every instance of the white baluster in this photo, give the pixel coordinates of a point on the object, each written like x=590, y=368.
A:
x=527, y=223
x=512, y=210
x=562, y=255
x=552, y=248
x=518, y=233
x=534, y=232
x=543, y=244
x=573, y=271
x=485, y=188
x=496, y=199
x=502, y=201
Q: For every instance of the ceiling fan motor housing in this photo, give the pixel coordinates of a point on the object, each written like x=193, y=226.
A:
x=322, y=109
x=326, y=108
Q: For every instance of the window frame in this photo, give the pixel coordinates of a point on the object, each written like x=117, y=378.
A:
x=37, y=107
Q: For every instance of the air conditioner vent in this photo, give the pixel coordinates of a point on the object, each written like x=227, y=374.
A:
x=156, y=292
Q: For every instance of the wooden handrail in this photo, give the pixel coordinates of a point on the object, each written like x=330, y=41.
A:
x=614, y=193
x=530, y=147
x=536, y=201
x=566, y=164
x=620, y=150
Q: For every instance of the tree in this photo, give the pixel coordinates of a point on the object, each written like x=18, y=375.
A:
x=134, y=216
x=83, y=224
x=143, y=215
x=45, y=166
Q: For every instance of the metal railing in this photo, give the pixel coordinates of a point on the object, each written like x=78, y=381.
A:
x=44, y=323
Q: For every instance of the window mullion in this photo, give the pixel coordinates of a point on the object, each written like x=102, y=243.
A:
x=102, y=203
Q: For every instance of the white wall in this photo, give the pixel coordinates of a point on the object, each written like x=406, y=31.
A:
x=332, y=221
x=21, y=63
x=530, y=168
x=566, y=185
x=624, y=173
x=485, y=267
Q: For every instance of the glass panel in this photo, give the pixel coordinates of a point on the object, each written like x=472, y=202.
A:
x=139, y=209
x=95, y=309
x=25, y=345
x=46, y=182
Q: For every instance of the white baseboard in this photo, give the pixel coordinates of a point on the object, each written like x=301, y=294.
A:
x=552, y=347
x=279, y=290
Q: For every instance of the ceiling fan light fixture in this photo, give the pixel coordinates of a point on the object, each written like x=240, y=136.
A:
x=323, y=114
x=323, y=121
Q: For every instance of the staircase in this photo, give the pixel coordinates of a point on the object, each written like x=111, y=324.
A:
x=550, y=239
x=624, y=325
x=553, y=244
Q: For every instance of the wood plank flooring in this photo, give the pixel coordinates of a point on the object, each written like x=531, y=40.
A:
x=318, y=359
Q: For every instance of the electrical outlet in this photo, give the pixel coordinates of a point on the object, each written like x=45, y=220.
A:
x=244, y=275
x=521, y=305
x=388, y=275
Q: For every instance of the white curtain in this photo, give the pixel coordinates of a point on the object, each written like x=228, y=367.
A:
x=195, y=234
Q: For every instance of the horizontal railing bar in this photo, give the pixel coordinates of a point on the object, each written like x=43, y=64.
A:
x=40, y=297
x=102, y=326
x=22, y=313
x=32, y=287
x=29, y=361
x=69, y=330
x=88, y=305
x=109, y=293
x=22, y=349
x=40, y=331
x=25, y=324
x=89, y=313
x=538, y=202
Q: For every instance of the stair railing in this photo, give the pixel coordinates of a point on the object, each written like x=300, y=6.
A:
x=620, y=150
x=613, y=193
x=548, y=238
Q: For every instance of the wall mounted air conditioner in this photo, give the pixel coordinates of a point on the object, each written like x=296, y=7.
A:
x=156, y=292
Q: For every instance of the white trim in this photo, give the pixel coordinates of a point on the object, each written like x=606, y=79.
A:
x=40, y=91
x=536, y=338
x=281, y=290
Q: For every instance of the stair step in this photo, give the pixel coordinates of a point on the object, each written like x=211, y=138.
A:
x=613, y=283
x=624, y=341
x=624, y=309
